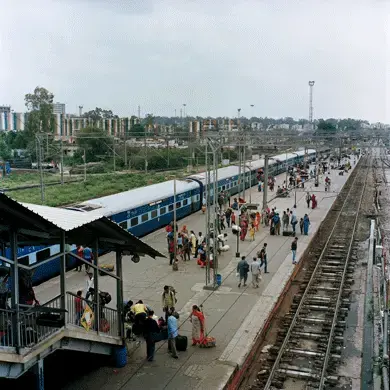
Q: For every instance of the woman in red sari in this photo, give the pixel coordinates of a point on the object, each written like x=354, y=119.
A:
x=313, y=201
x=197, y=320
x=244, y=229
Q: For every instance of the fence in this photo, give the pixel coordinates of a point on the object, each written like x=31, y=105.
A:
x=30, y=332
x=108, y=323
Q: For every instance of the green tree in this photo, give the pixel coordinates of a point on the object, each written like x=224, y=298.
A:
x=99, y=114
x=40, y=107
x=137, y=130
x=5, y=150
x=95, y=141
x=326, y=129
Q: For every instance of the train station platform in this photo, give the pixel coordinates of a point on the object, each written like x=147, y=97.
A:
x=234, y=316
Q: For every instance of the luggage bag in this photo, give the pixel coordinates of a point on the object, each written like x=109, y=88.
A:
x=181, y=343
x=106, y=267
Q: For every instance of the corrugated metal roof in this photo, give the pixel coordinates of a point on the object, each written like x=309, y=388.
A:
x=64, y=219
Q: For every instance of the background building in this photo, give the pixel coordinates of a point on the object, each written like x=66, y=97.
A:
x=58, y=108
x=5, y=109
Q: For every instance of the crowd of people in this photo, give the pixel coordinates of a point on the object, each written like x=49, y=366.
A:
x=144, y=322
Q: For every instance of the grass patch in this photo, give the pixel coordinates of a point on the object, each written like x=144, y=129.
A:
x=27, y=179
x=94, y=187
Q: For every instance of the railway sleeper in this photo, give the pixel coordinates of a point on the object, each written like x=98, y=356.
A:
x=314, y=320
x=300, y=374
x=301, y=352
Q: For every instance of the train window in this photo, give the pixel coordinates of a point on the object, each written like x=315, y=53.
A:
x=223, y=188
x=185, y=202
x=134, y=221
x=178, y=205
x=43, y=255
x=123, y=225
x=25, y=260
x=153, y=214
x=163, y=210
x=145, y=217
x=170, y=208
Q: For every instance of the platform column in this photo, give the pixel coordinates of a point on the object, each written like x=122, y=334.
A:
x=39, y=375
x=119, y=293
x=15, y=289
x=96, y=297
x=63, y=273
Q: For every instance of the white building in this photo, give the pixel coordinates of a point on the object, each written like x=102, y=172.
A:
x=58, y=108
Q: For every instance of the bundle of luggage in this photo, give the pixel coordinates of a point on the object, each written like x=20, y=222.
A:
x=208, y=342
x=107, y=268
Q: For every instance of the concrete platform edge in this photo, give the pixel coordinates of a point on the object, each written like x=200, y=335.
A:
x=247, y=354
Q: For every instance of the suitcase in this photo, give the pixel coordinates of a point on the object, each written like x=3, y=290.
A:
x=272, y=231
x=181, y=343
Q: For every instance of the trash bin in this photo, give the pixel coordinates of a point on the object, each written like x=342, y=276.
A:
x=120, y=356
x=219, y=279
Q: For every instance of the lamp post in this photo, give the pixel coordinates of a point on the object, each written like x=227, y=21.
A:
x=174, y=222
x=295, y=191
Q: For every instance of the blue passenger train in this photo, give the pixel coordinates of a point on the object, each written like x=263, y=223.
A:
x=144, y=210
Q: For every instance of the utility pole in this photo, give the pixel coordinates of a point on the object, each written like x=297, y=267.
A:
x=139, y=114
x=265, y=186
x=174, y=223
x=239, y=152
x=113, y=151
x=145, y=152
x=311, y=85
x=126, y=151
x=85, y=166
x=62, y=162
x=244, y=158
x=41, y=170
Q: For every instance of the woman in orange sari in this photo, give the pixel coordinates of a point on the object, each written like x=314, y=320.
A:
x=197, y=320
x=257, y=221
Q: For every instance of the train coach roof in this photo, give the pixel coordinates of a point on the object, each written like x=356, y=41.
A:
x=123, y=201
x=43, y=225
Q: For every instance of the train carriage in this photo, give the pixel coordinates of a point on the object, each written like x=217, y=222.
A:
x=144, y=210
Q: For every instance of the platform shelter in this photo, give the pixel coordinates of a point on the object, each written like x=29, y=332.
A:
x=29, y=333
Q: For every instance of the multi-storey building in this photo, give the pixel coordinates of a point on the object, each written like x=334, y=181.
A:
x=58, y=108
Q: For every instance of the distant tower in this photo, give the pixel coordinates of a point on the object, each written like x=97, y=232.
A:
x=311, y=85
x=80, y=111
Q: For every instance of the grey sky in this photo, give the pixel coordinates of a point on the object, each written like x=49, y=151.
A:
x=215, y=56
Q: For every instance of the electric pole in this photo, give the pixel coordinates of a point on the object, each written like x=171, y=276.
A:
x=311, y=85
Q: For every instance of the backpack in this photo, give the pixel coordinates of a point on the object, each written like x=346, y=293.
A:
x=260, y=254
x=276, y=219
x=172, y=291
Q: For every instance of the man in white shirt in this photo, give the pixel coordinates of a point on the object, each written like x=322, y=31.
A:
x=255, y=270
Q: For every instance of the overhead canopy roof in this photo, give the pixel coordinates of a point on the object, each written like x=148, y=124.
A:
x=43, y=225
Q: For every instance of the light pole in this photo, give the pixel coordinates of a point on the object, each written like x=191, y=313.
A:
x=252, y=105
x=295, y=190
x=174, y=223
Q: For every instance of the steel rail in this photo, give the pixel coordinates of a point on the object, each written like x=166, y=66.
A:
x=309, y=285
x=338, y=302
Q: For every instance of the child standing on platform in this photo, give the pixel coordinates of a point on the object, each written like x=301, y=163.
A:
x=252, y=232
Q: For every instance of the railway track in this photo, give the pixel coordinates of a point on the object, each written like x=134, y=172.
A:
x=309, y=344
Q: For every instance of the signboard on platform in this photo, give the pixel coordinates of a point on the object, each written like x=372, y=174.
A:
x=87, y=318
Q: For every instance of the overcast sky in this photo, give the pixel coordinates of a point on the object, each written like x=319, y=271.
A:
x=214, y=55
